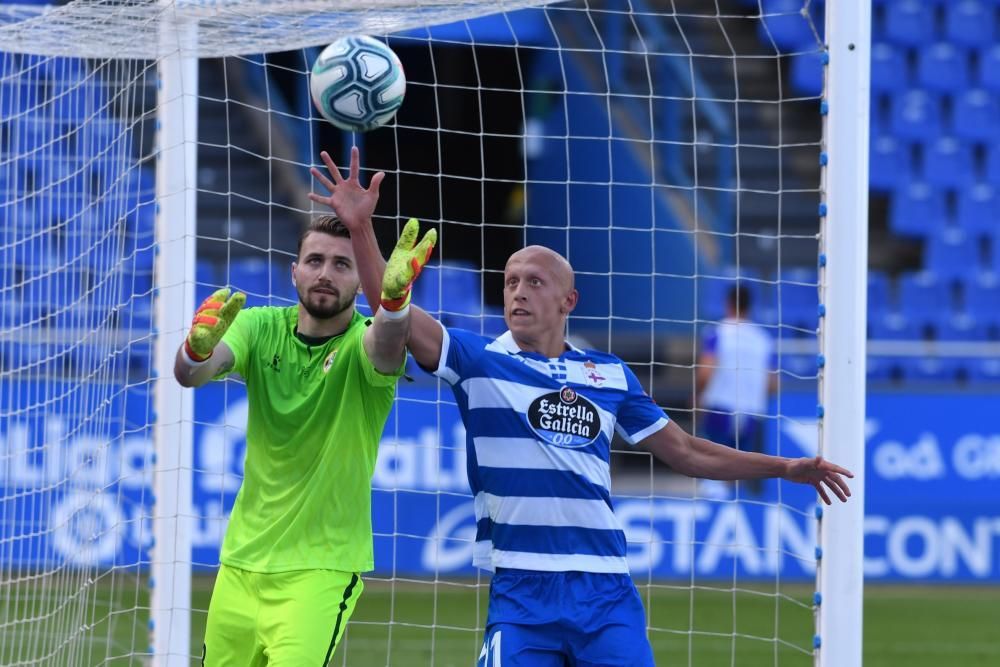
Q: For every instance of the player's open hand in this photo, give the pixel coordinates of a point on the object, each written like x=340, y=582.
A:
x=820, y=473
x=211, y=321
x=352, y=203
x=407, y=260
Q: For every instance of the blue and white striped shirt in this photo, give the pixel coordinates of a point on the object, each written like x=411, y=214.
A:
x=539, y=444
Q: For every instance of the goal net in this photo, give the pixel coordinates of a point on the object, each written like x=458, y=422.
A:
x=152, y=152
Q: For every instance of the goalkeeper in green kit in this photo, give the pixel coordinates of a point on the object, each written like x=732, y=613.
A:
x=320, y=381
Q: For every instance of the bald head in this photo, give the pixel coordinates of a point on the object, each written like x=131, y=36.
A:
x=549, y=260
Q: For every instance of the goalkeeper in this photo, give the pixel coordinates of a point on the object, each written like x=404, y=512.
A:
x=320, y=383
x=539, y=415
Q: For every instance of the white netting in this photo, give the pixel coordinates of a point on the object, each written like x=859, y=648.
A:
x=668, y=151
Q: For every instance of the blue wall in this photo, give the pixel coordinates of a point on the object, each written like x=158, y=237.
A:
x=933, y=512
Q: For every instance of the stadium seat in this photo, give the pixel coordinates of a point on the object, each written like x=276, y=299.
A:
x=807, y=72
x=932, y=368
x=889, y=69
x=923, y=292
x=961, y=327
x=992, y=171
x=784, y=24
x=951, y=254
x=251, y=275
x=989, y=68
x=942, y=68
x=879, y=295
x=976, y=116
x=449, y=288
x=985, y=369
x=889, y=163
x=916, y=116
x=970, y=22
x=948, y=163
x=916, y=209
x=978, y=209
x=892, y=326
x=909, y=22
x=981, y=296
x=798, y=298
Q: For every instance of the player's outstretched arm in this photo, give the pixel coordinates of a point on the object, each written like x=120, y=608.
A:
x=203, y=354
x=385, y=340
x=697, y=457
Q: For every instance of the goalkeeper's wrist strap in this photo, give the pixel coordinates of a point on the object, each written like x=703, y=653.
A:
x=396, y=314
x=192, y=357
x=395, y=305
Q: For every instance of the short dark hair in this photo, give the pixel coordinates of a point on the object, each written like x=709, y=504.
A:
x=324, y=224
x=739, y=298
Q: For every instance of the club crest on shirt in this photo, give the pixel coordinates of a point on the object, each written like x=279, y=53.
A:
x=564, y=418
x=328, y=364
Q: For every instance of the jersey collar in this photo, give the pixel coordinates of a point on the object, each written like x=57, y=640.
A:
x=508, y=343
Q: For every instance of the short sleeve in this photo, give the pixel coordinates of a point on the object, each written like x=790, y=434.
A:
x=240, y=338
x=459, y=350
x=372, y=374
x=638, y=414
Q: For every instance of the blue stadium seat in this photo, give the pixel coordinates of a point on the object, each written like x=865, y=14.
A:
x=989, y=68
x=890, y=71
x=251, y=275
x=712, y=289
x=978, y=209
x=889, y=163
x=784, y=23
x=909, y=22
x=985, y=370
x=942, y=68
x=879, y=299
x=951, y=254
x=948, y=163
x=932, y=368
x=970, y=22
x=976, y=116
x=807, y=72
x=798, y=298
x=893, y=326
x=916, y=116
x=993, y=164
x=916, y=209
x=981, y=295
x=923, y=292
x=449, y=288
x=961, y=327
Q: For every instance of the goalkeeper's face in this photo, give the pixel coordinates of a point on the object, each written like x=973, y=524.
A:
x=538, y=293
x=325, y=275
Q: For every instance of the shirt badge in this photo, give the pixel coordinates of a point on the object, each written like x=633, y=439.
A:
x=328, y=364
x=591, y=375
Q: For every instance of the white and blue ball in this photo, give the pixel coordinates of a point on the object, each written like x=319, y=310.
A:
x=357, y=83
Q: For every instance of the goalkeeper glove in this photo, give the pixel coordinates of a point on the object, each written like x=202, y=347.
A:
x=405, y=264
x=211, y=321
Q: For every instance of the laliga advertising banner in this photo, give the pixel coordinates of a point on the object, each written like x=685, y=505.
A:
x=933, y=467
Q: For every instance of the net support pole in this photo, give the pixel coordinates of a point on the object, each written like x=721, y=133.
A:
x=843, y=280
x=176, y=171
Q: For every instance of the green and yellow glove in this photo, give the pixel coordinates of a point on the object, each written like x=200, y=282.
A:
x=211, y=321
x=405, y=264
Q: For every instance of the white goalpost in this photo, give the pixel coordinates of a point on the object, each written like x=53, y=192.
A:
x=151, y=152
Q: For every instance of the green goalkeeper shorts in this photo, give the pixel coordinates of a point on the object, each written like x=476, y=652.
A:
x=284, y=619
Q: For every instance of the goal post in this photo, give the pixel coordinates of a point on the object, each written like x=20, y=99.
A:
x=844, y=282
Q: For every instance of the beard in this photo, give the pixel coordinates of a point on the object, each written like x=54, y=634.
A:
x=335, y=305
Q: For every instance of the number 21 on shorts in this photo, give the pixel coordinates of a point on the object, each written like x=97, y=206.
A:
x=490, y=655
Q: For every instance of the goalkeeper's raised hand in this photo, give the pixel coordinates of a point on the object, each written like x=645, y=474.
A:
x=211, y=321
x=407, y=260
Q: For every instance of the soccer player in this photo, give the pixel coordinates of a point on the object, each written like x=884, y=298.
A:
x=320, y=382
x=539, y=415
x=735, y=375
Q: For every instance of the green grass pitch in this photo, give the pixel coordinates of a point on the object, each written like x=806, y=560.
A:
x=441, y=625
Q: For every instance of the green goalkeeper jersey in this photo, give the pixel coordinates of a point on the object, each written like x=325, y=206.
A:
x=316, y=414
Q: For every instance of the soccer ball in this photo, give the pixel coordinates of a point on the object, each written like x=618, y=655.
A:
x=357, y=83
